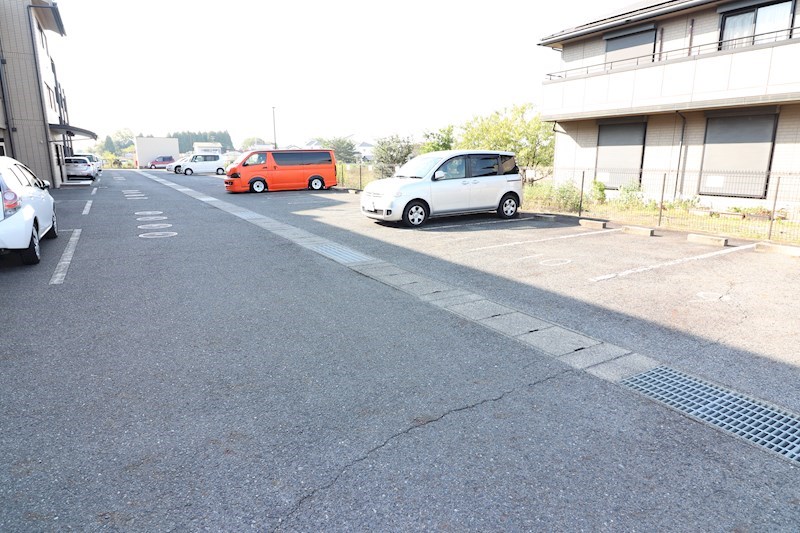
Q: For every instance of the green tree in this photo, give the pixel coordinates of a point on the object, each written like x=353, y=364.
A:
x=440, y=140
x=344, y=148
x=390, y=152
x=186, y=139
x=123, y=138
x=252, y=141
x=516, y=130
x=108, y=145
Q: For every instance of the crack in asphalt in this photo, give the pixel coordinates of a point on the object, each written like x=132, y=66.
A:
x=423, y=422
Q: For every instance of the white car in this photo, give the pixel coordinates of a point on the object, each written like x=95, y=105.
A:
x=202, y=163
x=94, y=160
x=450, y=182
x=79, y=166
x=29, y=211
x=176, y=166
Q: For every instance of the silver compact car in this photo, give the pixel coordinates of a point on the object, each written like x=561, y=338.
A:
x=29, y=211
x=444, y=183
x=80, y=167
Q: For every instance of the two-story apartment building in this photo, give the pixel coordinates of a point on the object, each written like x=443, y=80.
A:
x=34, y=122
x=686, y=98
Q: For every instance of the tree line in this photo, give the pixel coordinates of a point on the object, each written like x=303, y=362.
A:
x=518, y=129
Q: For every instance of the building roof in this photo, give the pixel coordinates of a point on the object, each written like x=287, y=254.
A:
x=638, y=12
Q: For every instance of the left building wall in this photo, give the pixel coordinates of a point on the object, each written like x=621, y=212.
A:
x=32, y=99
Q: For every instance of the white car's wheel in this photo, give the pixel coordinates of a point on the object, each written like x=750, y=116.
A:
x=53, y=233
x=508, y=208
x=415, y=214
x=33, y=253
x=188, y=171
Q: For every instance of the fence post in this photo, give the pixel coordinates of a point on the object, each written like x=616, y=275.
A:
x=580, y=205
x=360, y=188
x=661, y=202
x=774, y=206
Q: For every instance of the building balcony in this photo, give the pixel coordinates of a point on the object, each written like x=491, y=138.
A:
x=761, y=70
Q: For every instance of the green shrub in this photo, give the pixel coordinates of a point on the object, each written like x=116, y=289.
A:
x=598, y=191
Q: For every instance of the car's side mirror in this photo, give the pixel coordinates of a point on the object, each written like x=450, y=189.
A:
x=439, y=175
x=45, y=184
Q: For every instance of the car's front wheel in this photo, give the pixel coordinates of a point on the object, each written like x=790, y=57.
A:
x=152, y=167
x=258, y=186
x=509, y=207
x=177, y=170
x=415, y=214
x=33, y=253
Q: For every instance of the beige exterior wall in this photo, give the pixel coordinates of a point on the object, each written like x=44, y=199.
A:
x=30, y=81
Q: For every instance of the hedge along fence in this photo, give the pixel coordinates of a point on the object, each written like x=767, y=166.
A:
x=744, y=204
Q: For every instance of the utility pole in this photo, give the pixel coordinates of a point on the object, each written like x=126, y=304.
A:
x=274, y=130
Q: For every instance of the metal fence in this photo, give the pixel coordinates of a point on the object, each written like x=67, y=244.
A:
x=750, y=205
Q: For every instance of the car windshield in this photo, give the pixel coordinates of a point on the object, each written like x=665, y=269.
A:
x=418, y=167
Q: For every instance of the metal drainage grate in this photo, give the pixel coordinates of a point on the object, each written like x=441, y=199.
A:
x=756, y=421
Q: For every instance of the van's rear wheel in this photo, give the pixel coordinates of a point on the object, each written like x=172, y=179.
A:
x=220, y=171
x=316, y=184
x=258, y=186
x=188, y=171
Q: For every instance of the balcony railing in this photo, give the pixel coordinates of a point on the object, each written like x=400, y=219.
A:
x=667, y=55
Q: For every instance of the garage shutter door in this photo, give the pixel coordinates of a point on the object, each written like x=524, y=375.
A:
x=619, y=153
x=737, y=155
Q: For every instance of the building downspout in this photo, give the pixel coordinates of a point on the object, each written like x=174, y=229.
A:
x=56, y=178
x=6, y=105
x=681, y=160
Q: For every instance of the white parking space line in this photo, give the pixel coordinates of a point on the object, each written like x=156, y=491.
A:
x=672, y=263
x=482, y=223
x=517, y=243
x=60, y=272
x=87, y=207
x=94, y=191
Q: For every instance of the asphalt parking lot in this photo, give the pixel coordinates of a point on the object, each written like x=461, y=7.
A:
x=722, y=312
x=279, y=361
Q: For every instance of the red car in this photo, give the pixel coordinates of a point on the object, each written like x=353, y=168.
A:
x=161, y=161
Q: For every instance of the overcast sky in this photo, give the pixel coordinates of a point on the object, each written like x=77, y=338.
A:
x=355, y=68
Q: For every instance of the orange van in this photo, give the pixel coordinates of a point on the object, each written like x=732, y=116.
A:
x=282, y=170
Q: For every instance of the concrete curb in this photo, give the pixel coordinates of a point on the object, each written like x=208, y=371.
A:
x=593, y=224
x=707, y=239
x=636, y=230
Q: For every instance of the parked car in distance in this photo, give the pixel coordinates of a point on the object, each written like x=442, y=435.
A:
x=450, y=182
x=96, y=161
x=175, y=166
x=80, y=167
x=203, y=163
x=280, y=170
x=161, y=161
x=29, y=211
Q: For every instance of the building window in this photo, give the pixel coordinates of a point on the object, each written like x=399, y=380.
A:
x=737, y=155
x=631, y=46
x=42, y=36
x=620, y=148
x=755, y=24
